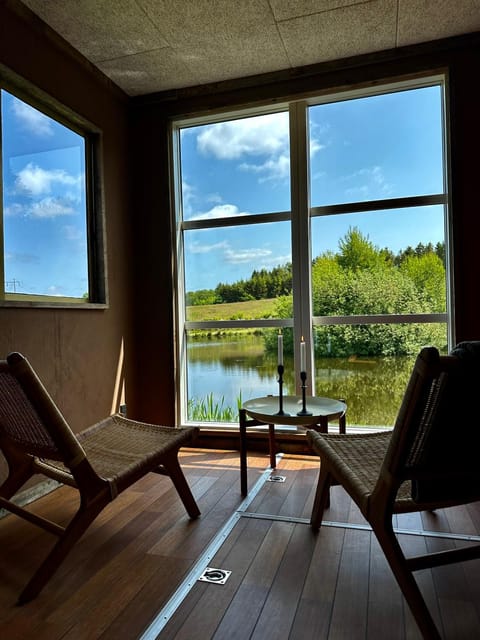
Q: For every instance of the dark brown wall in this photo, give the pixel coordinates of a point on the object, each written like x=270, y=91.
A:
x=75, y=351
x=465, y=108
x=153, y=397
x=154, y=393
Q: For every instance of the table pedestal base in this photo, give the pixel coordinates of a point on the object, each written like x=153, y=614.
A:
x=321, y=426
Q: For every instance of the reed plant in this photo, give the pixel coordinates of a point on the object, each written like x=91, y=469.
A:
x=211, y=409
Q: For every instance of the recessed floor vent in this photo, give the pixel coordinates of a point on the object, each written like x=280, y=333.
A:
x=276, y=479
x=217, y=576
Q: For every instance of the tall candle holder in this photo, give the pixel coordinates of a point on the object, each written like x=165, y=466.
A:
x=280, y=411
x=304, y=412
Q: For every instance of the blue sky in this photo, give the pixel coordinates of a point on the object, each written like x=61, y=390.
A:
x=44, y=231
x=384, y=146
x=377, y=147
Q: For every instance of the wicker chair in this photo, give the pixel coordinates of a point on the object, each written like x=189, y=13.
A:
x=428, y=461
x=100, y=462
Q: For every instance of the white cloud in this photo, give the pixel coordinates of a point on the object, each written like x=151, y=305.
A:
x=374, y=183
x=190, y=196
x=47, y=208
x=358, y=193
x=22, y=258
x=315, y=146
x=196, y=247
x=36, y=181
x=256, y=257
x=72, y=233
x=275, y=260
x=274, y=168
x=219, y=211
x=31, y=119
x=14, y=209
x=319, y=175
x=51, y=208
x=318, y=132
x=55, y=290
x=188, y=193
x=214, y=197
x=246, y=255
x=261, y=135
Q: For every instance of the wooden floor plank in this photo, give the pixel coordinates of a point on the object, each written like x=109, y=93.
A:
x=292, y=582
x=280, y=607
x=214, y=600
x=458, y=614
x=385, y=600
x=351, y=594
x=314, y=611
x=255, y=588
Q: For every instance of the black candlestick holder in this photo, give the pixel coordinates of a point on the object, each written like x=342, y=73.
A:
x=280, y=411
x=304, y=412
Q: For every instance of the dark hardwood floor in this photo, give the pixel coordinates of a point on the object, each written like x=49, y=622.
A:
x=286, y=582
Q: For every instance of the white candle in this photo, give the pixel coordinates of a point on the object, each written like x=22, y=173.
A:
x=302, y=355
x=280, y=348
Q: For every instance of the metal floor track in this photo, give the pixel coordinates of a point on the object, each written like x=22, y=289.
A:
x=152, y=632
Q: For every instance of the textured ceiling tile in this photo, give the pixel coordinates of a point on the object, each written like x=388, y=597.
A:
x=339, y=33
x=101, y=29
x=152, y=45
x=148, y=72
x=260, y=50
x=422, y=20
x=205, y=22
x=286, y=9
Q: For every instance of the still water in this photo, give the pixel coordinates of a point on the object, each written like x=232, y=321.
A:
x=234, y=367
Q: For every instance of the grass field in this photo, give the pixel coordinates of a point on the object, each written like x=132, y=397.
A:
x=250, y=310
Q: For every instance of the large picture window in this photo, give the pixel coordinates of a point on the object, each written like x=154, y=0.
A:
x=325, y=220
x=49, y=256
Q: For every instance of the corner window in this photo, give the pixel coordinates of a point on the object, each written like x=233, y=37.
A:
x=49, y=251
x=325, y=220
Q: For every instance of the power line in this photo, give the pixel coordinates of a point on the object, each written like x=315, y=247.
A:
x=12, y=283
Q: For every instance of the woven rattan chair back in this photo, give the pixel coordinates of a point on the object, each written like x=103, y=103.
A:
x=25, y=411
x=428, y=461
x=100, y=462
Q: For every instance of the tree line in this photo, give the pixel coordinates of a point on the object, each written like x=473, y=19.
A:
x=262, y=284
x=359, y=279
x=356, y=253
x=362, y=280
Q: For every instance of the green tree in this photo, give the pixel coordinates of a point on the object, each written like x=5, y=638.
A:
x=200, y=297
x=235, y=292
x=357, y=252
x=329, y=286
x=385, y=291
x=440, y=251
x=362, y=280
x=428, y=275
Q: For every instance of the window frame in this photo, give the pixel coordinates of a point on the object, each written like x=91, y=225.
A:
x=94, y=201
x=300, y=216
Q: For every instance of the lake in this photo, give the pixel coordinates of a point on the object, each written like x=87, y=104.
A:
x=237, y=366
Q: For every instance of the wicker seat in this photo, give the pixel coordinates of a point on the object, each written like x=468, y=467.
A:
x=428, y=461
x=100, y=462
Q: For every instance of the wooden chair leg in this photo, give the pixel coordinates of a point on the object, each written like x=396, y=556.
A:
x=322, y=498
x=405, y=579
x=18, y=475
x=243, y=452
x=80, y=522
x=272, y=446
x=172, y=467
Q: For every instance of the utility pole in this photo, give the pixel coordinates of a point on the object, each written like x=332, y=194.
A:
x=12, y=283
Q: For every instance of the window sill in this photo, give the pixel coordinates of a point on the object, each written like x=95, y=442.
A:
x=31, y=304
